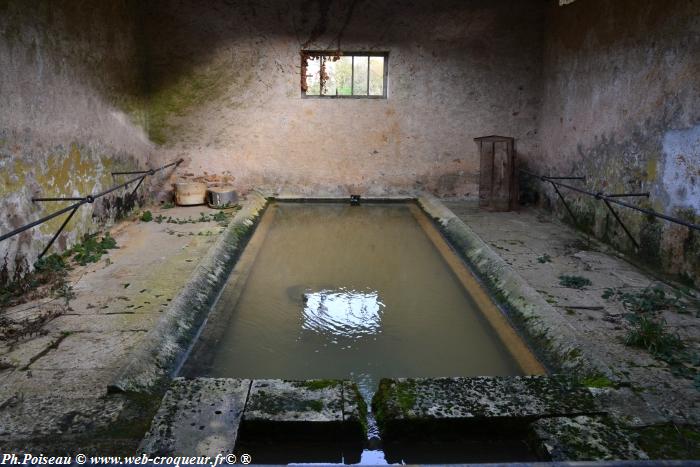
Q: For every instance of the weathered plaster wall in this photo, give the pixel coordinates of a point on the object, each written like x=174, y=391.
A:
x=66, y=70
x=621, y=105
x=224, y=87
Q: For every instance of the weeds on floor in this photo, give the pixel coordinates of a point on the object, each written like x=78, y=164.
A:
x=574, y=282
x=650, y=333
x=146, y=216
x=545, y=258
x=653, y=299
x=48, y=276
x=220, y=217
x=48, y=279
x=648, y=330
x=91, y=249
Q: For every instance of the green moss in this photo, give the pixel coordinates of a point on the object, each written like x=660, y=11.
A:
x=316, y=405
x=670, y=441
x=361, y=406
x=318, y=384
x=599, y=381
x=176, y=99
x=393, y=400
x=406, y=396
x=274, y=404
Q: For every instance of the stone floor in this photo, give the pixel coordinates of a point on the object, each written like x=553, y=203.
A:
x=56, y=384
x=541, y=249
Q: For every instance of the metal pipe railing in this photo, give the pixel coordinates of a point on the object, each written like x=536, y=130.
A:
x=608, y=199
x=88, y=199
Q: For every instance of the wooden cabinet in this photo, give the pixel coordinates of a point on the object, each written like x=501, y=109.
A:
x=497, y=173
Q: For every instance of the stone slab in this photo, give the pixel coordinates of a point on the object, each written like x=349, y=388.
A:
x=483, y=397
x=312, y=401
x=149, y=366
x=198, y=417
x=85, y=350
x=332, y=410
x=32, y=416
x=585, y=438
x=404, y=405
x=556, y=340
x=23, y=354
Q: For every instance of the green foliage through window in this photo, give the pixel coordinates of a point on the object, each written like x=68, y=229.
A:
x=341, y=74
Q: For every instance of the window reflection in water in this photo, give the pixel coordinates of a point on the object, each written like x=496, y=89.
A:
x=342, y=313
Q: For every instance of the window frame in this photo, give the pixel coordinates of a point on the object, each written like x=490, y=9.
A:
x=305, y=54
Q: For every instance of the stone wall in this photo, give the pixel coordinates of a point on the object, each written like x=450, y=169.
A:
x=224, y=87
x=621, y=105
x=66, y=70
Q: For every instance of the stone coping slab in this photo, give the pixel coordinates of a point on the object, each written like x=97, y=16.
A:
x=198, y=417
x=274, y=400
x=151, y=364
x=555, y=340
x=207, y=416
x=585, y=438
x=403, y=405
x=303, y=408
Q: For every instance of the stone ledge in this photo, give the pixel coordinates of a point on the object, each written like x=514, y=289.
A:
x=198, y=417
x=405, y=405
x=555, y=340
x=208, y=416
x=305, y=408
x=585, y=438
x=154, y=361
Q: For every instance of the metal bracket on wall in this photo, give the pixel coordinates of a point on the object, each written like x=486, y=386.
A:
x=609, y=199
x=89, y=199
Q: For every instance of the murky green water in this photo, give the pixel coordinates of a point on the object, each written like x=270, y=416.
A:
x=340, y=291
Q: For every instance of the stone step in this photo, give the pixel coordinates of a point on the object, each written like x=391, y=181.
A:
x=500, y=403
x=198, y=417
x=207, y=416
x=585, y=438
x=311, y=407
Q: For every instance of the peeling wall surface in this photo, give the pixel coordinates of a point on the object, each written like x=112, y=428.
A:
x=65, y=71
x=224, y=81
x=621, y=105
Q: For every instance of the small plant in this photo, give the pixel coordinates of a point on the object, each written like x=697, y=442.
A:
x=168, y=205
x=574, y=282
x=648, y=300
x=222, y=217
x=49, y=275
x=146, y=216
x=651, y=334
x=91, y=250
x=608, y=293
x=545, y=258
x=52, y=263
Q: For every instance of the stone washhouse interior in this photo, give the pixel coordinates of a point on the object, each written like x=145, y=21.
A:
x=350, y=232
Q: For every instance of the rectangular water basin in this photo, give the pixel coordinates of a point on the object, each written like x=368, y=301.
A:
x=329, y=290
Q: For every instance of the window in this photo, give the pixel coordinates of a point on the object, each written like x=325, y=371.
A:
x=344, y=74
